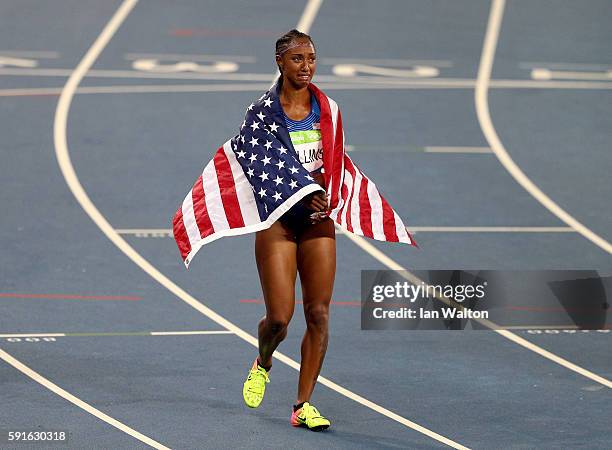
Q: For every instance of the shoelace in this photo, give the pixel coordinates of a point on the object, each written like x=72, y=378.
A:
x=260, y=377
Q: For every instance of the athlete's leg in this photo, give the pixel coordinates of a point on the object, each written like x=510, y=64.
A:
x=316, y=256
x=275, y=253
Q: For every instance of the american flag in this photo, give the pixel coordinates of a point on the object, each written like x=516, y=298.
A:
x=255, y=177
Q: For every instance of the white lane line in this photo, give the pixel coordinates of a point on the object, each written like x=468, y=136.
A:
x=542, y=327
x=251, y=87
x=77, y=401
x=188, y=333
x=540, y=73
x=27, y=63
x=391, y=264
x=308, y=15
x=458, y=150
x=565, y=66
x=185, y=57
x=63, y=157
x=118, y=333
x=484, y=118
x=359, y=83
x=24, y=335
x=60, y=124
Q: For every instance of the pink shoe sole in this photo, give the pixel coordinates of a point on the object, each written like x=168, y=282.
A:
x=294, y=421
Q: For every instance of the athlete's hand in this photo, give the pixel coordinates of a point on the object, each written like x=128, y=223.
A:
x=316, y=201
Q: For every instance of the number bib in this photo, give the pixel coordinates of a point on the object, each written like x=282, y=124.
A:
x=309, y=148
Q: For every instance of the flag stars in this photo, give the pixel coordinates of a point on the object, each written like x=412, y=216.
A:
x=263, y=176
x=261, y=116
x=253, y=157
x=254, y=141
x=293, y=170
x=266, y=160
x=241, y=154
x=293, y=184
x=243, y=124
x=274, y=127
x=280, y=165
x=268, y=102
x=282, y=150
x=278, y=180
x=254, y=125
x=242, y=138
x=268, y=144
x=277, y=196
x=250, y=107
x=308, y=177
x=262, y=193
x=250, y=172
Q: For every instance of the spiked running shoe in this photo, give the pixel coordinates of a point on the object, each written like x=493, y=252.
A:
x=308, y=416
x=255, y=385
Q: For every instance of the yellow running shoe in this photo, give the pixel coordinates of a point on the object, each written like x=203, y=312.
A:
x=255, y=385
x=308, y=416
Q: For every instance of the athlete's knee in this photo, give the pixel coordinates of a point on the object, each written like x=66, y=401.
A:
x=278, y=325
x=317, y=315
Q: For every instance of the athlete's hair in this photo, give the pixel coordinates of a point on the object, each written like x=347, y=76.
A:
x=284, y=42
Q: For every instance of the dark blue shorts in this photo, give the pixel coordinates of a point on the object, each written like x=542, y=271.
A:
x=297, y=218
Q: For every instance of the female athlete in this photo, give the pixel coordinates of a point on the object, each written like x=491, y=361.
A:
x=301, y=241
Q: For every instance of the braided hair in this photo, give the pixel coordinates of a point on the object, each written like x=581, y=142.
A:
x=283, y=43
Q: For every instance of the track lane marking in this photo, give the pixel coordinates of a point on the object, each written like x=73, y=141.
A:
x=486, y=124
x=108, y=31
x=118, y=333
x=78, y=402
x=106, y=34
x=71, y=178
x=254, y=87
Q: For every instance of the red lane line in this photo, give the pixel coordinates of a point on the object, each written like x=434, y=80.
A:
x=333, y=302
x=71, y=297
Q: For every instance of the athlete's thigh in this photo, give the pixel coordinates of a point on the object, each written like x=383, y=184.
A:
x=316, y=257
x=275, y=254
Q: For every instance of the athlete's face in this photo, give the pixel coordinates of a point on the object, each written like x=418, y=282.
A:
x=299, y=63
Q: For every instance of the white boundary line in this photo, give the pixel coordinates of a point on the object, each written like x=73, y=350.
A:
x=484, y=118
x=562, y=65
x=254, y=87
x=118, y=333
x=63, y=158
x=78, y=402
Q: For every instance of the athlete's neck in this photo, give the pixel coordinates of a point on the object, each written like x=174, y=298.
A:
x=294, y=97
